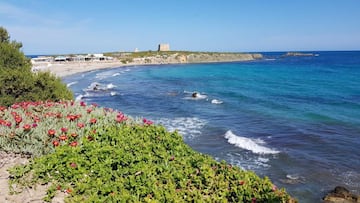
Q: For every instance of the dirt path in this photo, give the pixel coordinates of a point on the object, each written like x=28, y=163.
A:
x=27, y=196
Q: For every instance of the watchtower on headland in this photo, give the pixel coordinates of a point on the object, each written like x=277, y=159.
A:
x=164, y=47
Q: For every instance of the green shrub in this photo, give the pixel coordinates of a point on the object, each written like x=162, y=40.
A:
x=49, y=87
x=19, y=83
x=113, y=158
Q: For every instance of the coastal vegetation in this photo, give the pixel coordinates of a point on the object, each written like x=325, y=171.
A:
x=97, y=154
x=171, y=57
x=19, y=83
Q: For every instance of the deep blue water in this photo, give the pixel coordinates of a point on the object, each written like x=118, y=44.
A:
x=294, y=119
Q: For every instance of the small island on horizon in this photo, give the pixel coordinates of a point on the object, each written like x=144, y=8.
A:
x=289, y=54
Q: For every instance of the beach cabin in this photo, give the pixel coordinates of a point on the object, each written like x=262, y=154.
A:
x=79, y=58
x=42, y=59
x=60, y=59
x=99, y=57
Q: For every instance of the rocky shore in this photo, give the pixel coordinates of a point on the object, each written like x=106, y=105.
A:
x=341, y=195
x=195, y=58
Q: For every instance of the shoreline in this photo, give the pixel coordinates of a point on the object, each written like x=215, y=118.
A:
x=67, y=68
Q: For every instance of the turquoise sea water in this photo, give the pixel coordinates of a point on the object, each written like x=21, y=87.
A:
x=294, y=119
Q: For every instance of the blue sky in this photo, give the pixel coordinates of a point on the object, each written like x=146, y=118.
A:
x=83, y=26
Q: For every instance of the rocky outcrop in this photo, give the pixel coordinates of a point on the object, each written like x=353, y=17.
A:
x=221, y=57
x=196, y=58
x=341, y=195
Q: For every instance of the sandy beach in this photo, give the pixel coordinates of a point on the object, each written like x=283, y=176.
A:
x=62, y=69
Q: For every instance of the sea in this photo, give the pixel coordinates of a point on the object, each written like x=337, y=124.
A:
x=293, y=119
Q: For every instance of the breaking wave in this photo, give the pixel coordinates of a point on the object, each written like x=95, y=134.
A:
x=253, y=145
x=71, y=83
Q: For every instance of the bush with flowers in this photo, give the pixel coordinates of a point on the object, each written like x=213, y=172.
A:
x=97, y=154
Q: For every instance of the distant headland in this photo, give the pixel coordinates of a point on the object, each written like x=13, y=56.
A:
x=74, y=63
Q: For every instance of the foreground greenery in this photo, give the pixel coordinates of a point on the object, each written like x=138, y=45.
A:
x=17, y=81
x=100, y=155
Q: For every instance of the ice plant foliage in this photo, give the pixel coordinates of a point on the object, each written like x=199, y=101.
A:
x=37, y=127
x=102, y=155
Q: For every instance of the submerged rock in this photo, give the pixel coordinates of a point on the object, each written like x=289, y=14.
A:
x=341, y=195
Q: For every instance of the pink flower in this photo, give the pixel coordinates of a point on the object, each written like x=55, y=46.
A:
x=15, y=106
x=120, y=117
x=27, y=127
x=93, y=120
x=71, y=117
x=51, y=132
x=36, y=119
x=82, y=103
x=73, y=165
x=18, y=119
x=147, y=122
x=73, y=144
x=63, y=137
x=64, y=130
x=34, y=125
x=80, y=125
x=55, y=143
x=68, y=191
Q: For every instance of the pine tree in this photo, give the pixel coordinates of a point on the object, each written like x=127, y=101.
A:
x=17, y=81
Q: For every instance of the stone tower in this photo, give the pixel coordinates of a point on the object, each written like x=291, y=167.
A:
x=164, y=47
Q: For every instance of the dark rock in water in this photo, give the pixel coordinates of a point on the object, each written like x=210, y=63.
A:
x=341, y=195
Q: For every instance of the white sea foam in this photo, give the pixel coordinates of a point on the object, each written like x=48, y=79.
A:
x=116, y=74
x=110, y=86
x=71, y=83
x=246, y=161
x=189, y=127
x=95, y=86
x=199, y=96
x=79, y=97
x=215, y=101
x=253, y=145
x=113, y=93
